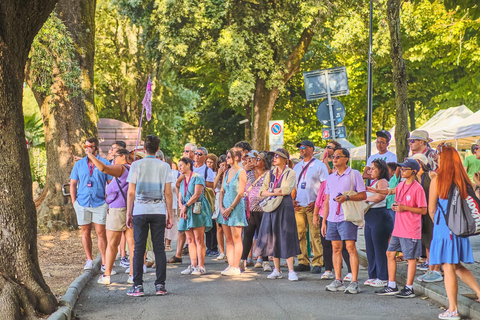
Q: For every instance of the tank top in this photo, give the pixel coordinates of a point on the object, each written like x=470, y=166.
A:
x=381, y=204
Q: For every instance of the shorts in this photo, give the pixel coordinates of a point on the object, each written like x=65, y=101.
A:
x=116, y=219
x=87, y=215
x=411, y=248
x=343, y=230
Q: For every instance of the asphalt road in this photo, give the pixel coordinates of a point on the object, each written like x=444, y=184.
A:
x=248, y=296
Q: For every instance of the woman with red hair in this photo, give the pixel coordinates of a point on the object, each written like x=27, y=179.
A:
x=446, y=248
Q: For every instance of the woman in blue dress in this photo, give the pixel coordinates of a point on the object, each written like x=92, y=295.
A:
x=195, y=215
x=446, y=248
x=232, y=208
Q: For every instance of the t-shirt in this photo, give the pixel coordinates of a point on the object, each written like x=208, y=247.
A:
x=174, y=189
x=150, y=176
x=338, y=184
x=392, y=183
x=472, y=164
x=201, y=171
x=311, y=178
x=407, y=224
x=387, y=157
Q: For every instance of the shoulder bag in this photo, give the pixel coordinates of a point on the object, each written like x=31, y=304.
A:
x=271, y=203
x=353, y=210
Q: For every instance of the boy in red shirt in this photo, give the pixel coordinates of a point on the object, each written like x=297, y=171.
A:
x=410, y=204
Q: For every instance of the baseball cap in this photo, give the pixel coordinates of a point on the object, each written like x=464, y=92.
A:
x=410, y=163
x=384, y=134
x=252, y=154
x=306, y=143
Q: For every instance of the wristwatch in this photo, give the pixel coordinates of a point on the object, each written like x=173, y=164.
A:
x=348, y=197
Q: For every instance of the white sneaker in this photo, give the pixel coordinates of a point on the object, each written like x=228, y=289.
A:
x=368, y=282
x=88, y=265
x=221, y=256
x=198, y=271
x=292, y=276
x=260, y=263
x=128, y=270
x=189, y=270
x=103, y=279
x=231, y=271
x=377, y=283
x=130, y=279
x=348, y=277
x=275, y=274
x=327, y=275
x=266, y=267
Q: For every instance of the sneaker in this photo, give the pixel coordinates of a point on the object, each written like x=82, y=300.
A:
x=208, y=252
x=160, y=290
x=259, y=264
x=335, y=285
x=231, y=271
x=266, y=266
x=198, y=271
x=292, y=276
x=189, y=270
x=225, y=270
x=316, y=269
x=124, y=262
x=221, y=256
x=174, y=259
x=432, y=276
x=103, y=279
x=127, y=270
x=406, y=293
x=327, y=275
x=102, y=268
x=352, y=288
x=130, y=279
x=348, y=278
x=213, y=253
x=449, y=315
x=377, y=283
x=275, y=274
x=387, y=291
x=88, y=265
x=423, y=266
x=250, y=263
x=144, y=269
x=136, y=291
x=367, y=282
x=301, y=267
x=243, y=265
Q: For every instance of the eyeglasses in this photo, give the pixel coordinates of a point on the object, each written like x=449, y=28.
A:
x=329, y=147
x=405, y=169
x=113, y=148
x=380, y=142
x=338, y=157
x=199, y=154
x=185, y=151
x=302, y=148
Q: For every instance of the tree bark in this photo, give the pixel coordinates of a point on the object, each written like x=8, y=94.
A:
x=23, y=291
x=399, y=78
x=69, y=118
x=411, y=115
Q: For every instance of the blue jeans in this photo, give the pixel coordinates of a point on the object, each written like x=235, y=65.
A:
x=141, y=224
x=378, y=229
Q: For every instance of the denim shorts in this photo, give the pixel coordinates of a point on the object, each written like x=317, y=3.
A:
x=343, y=230
x=411, y=248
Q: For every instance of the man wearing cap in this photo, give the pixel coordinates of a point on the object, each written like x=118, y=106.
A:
x=472, y=163
x=418, y=142
x=383, y=140
x=250, y=160
x=310, y=173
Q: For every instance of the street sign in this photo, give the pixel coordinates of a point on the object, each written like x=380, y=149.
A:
x=340, y=132
x=323, y=112
x=316, y=83
x=275, y=134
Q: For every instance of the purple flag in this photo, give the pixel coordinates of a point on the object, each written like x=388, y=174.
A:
x=147, y=100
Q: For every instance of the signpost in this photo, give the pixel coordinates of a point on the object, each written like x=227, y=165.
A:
x=275, y=134
x=328, y=83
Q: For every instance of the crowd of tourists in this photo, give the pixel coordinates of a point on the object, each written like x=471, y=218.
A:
x=251, y=208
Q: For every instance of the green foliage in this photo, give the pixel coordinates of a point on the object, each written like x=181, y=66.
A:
x=34, y=131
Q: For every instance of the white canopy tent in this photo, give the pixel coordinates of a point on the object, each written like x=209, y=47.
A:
x=461, y=134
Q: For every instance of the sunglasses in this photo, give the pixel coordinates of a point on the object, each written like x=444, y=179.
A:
x=259, y=159
x=413, y=140
x=302, y=148
x=276, y=156
x=199, y=154
x=338, y=157
x=329, y=147
x=228, y=157
x=90, y=146
x=185, y=151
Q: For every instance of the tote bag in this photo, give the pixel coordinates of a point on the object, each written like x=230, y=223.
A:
x=353, y=211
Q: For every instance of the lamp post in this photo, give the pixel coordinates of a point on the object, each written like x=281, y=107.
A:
x=370, y=88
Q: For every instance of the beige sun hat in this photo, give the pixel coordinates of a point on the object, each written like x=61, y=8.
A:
x=420, y=135
x=421, y=157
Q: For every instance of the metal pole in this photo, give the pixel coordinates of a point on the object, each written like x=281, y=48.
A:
x=330, y=106
x=370, y=88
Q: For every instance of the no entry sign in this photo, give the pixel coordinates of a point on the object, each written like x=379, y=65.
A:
x=275, y=134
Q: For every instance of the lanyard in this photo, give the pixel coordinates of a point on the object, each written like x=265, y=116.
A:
x=91, y=168
x=186, y=183
x=403, y=195
x=277, y=178
x=305, y=169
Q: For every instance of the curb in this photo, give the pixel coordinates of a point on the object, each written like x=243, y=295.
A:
x=466, y=307
x=67, y=303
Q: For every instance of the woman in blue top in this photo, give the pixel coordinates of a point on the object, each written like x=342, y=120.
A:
x=232, y=208
x=446, y=248
x=195, y=215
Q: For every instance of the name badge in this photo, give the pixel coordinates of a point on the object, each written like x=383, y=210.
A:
x=89, y=184
x=303, y=185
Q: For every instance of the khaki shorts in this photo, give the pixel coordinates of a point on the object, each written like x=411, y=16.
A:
x=116, y=219
x=87, y=215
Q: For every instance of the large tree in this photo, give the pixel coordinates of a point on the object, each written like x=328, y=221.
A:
x=23, y=292
x=60, y=73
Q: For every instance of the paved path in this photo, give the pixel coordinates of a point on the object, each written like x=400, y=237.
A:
x=249, y=296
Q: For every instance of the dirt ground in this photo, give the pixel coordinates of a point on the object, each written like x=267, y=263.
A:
x=62, y=258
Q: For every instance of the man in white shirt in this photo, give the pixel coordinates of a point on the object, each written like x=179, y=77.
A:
x=383, y=140
x=310, y=173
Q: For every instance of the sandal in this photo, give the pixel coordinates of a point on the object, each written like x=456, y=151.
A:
x=449, y=315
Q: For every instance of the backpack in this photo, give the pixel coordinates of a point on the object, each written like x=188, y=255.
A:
x=209, y=192
x=463, y=215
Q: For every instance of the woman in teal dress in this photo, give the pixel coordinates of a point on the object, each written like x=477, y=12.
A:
x=195, y=216
x=232, y=208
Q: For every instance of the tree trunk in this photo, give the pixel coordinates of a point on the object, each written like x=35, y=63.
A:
x=411, y=114
x=69, y=118
x=23, y=291
x=399, y=78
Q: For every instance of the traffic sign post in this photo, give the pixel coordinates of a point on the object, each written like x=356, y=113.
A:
x=275, y=134
x=339, y=132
